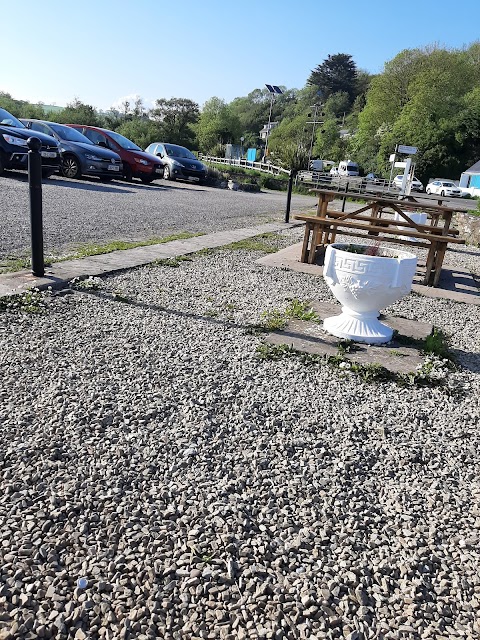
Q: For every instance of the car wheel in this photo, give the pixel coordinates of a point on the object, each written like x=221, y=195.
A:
x=127, y=173
x=147, y=180
x=167, y=174
x=71, y=167
x=442, y=193
x=428, y=192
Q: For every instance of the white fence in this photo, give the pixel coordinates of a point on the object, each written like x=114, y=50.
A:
x=266, y=167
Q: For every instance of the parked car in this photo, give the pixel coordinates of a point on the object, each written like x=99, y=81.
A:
x=178, y=162
x=444, y=188
x=416, y=184
x=334, y=172
x=14, y=149
x=136, y=163
x=373, y=178
x=79, y=155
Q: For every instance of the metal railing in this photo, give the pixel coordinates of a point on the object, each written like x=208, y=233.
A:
x=266, y=167
x=351, y=184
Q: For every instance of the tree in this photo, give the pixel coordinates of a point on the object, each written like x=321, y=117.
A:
x=141, y=130
x=336, y=73
x=217, y=126
x=77, y=112
x=176, y=117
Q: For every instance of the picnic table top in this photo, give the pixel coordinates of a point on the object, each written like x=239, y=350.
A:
x=407, y=200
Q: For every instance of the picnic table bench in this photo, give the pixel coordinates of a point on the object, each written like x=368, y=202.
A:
x=375, y=219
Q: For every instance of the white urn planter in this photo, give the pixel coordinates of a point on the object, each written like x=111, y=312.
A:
x=418, y=218
x=364, y=284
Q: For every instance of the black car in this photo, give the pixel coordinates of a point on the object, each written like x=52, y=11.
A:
x=178, y=162
x=14, y=149
x=79, y=155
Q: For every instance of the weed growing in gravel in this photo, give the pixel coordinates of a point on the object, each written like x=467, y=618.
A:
x=436, y=344
x=432, y=372
x=301, y=311
x=87, y=284
x=276, y=320
x=32, y=301
x=171, y=262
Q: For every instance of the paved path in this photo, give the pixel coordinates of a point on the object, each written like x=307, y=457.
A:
x=61, y=273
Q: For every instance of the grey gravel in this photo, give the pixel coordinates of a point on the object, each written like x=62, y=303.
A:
x=84, y=211
x=204, y=493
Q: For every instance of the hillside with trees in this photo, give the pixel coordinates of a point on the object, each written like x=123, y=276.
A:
x=428, y=98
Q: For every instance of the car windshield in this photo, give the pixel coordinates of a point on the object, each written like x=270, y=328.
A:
x=178, y=152
x=7, y=120
x=448, y=184
x=125, y=143
x=69, y=134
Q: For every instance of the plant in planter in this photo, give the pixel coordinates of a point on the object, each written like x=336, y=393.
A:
x=364, y=279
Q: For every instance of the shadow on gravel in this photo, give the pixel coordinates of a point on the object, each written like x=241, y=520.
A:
x=466, y=360
x=88, y=186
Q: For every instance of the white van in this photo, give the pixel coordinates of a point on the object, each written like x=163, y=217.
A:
x=348, y=168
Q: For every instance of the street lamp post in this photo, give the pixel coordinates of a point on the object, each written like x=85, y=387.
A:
x=273, y=89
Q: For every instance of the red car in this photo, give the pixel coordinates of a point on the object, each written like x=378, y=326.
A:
x=136, y=163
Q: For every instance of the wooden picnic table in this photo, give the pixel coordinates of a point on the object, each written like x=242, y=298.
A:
x=374, y=219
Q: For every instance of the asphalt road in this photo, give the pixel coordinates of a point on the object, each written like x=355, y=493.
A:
x=77, y=212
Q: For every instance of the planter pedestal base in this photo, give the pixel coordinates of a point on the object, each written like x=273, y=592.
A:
x=359, y=327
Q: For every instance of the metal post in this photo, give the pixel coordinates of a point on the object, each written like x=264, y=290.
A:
x=36, y=222
x=289, y=194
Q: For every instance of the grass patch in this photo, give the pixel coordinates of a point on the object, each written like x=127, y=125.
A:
x=171, y=262
x=257, y=243
x=95, y=249
x=12, y=264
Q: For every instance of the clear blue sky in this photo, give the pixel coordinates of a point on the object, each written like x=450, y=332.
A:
x=104, y=50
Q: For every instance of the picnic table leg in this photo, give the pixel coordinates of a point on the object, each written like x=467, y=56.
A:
x=431, y=259
x=314, y=243
x=438, y=264
x=308, y=229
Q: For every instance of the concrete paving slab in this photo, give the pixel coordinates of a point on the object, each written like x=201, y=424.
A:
x=397, y=357
x=455, y=284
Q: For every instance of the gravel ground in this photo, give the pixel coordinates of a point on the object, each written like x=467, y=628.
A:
x=160, y=481
x=77, y=212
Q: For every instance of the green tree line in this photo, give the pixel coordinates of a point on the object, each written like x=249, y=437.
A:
x=428, y=98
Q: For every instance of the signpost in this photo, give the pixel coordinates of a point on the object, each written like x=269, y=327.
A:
x=410, y=151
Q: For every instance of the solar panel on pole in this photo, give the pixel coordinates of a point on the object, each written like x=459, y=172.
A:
x=270, y=88
x=277, y=89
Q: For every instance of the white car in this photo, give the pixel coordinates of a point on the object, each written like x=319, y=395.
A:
x=444, y=188
x=334, y=171
x=416, y=184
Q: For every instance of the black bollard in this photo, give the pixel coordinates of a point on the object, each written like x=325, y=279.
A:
x=36, y=221
x=289, y=195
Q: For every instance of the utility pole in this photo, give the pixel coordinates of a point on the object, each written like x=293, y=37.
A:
x=314, y=122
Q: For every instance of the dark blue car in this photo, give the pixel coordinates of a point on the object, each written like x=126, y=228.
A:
x=79, y=155
x=14, y=149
